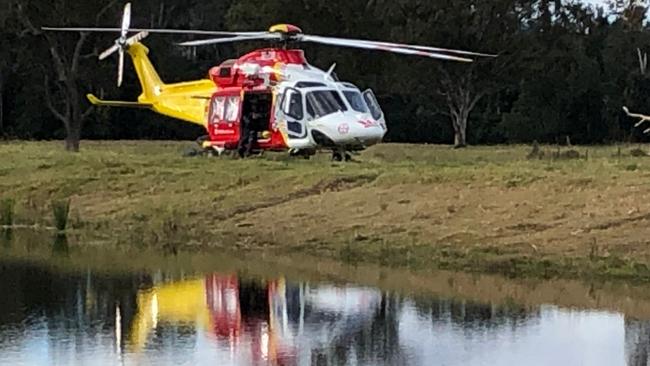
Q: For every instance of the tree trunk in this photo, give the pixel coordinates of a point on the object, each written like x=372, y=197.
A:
x=460, y=129
x=75, y=116
x=459, y=138
x=73, y=127
x=2, y=114
x=2, y=107
x=72, y=140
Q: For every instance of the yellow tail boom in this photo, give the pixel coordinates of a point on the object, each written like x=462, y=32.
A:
x=187, y=101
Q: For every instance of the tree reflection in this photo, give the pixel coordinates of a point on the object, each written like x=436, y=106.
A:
x=6, y=237
x=472, y=315
x=60, y=245
x=72, y=306
x=375, y=340
x=247, y=320
x=637, y=342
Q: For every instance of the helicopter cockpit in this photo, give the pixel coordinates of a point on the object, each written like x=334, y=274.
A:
x=329, y=114
x=321, y=100
x=354, y=98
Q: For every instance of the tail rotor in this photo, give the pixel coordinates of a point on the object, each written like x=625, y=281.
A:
x=123, y=43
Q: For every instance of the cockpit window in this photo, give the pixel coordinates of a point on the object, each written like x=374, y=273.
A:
x=309, y=84
x=321, y=103
x=292, y=103
x=356, y=101
x=372, y=103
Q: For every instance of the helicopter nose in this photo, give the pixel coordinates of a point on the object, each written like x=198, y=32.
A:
x=348, y=129
x=361, y=130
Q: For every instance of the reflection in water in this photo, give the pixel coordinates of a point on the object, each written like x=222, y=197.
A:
x=6, y=236
x=50, y=317
x=257, y=320
x=637, y=342
x=60, y=246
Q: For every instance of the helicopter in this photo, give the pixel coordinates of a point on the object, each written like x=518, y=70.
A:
x=262, y=321
x=288, y=104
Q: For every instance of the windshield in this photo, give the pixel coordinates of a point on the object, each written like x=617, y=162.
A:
x=372, y=103
x=324, y=102
x=356, y=101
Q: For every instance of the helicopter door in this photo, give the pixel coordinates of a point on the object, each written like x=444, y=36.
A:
x=291, y=110
x=224, y=116
x=375, y=109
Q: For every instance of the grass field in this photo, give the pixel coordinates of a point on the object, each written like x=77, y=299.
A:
x=487, y=209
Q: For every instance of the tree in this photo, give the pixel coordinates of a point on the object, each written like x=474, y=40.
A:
x=8, y=64
x=563, y=68
x=63, y=95
x=453, y=89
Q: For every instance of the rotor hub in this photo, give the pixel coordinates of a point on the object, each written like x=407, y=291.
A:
x=287, y=29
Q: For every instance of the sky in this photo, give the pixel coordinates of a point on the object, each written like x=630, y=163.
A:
x=602, y=2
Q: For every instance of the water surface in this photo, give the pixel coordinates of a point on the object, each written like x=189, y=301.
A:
x=53, y=315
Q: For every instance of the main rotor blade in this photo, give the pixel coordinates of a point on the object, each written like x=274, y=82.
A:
x=371, y=46
x=427, y=48
x=109, y=52
x=152, y=30
x=137, y=38
x=204, y=42
x=126, y=20
x=120, y=69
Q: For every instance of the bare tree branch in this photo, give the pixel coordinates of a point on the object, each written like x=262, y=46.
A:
x=77, y=52
x=30, y=28
x=476, y=99
x=104, y=10
x=93, y=54
x=87, y=113
x=58, y=63
x=50, y=105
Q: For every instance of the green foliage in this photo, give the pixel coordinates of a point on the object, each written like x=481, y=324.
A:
x=60, y=211
x=564, y=69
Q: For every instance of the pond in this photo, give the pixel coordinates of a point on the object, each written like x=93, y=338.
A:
x=55, y=311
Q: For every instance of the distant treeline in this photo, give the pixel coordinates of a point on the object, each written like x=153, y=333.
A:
x=564, y=69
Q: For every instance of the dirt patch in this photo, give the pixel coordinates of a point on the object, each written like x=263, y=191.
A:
x=327, y=185
x=618, y=223
x=530, y=227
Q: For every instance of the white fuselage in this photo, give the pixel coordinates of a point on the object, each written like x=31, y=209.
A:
x=314, y=110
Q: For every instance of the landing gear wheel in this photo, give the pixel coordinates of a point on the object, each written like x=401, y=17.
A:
x=348, y=157
x=336, y=156
x=202, y=139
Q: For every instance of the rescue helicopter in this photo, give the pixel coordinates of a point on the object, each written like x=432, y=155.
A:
x=287, y=104
x=270, y=321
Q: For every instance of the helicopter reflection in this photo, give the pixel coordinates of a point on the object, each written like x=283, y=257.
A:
x=253, y=319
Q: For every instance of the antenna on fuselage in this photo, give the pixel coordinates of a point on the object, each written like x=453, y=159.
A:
x=330, y=72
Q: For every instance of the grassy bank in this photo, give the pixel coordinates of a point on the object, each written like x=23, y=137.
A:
x=487, y=209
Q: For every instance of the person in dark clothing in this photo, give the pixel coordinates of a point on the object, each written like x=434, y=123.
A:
x=248, y=134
